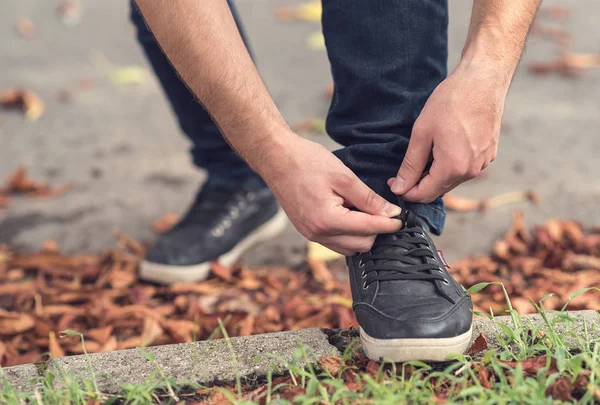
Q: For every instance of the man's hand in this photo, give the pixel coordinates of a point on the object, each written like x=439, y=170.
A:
x=459, y=129
x=316, y=191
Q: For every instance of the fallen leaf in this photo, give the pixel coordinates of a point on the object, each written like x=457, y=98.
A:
x=319, y=252
x=4, y=201
x=165, y=223
x=310, y=11
x=480, y=344
x=50, y=246
x=316, y=42
x=567, y=63
x=460, y=204
x=247, y=325
x=331, y=364
x=221, y=271
x=321, y=273
x=54, y=347
x=560, y=389
x=24, y=99
x=25, y=27
x=129, y=75
x=558, y=12
x=12, y=322
x=70, y=12
x=150, y=332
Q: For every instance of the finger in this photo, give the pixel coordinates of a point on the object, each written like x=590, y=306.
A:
x=362, y=197
x=350, y=244
x=362, y=224
x=436, y=183
x=414, y=162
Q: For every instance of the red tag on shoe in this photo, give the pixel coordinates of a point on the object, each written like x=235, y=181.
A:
x=443, y=258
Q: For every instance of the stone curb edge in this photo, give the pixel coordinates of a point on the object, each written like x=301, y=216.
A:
x=211, y=361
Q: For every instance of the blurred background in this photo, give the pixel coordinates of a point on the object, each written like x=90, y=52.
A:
x=87, y=120
x=107, y=129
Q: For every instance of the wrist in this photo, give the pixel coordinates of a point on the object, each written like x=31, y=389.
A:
x=489, y=71
x=270, y=152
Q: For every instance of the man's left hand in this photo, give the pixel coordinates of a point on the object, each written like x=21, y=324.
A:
x=457, y=131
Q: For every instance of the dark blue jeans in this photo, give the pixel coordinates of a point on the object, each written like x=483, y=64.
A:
x=387, y=56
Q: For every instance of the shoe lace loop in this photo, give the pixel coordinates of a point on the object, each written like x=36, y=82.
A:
x=400, y=256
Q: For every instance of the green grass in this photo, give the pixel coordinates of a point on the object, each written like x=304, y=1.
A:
x=565, y=368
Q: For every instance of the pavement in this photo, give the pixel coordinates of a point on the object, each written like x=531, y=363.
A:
x=121, y=148
x=252, y=356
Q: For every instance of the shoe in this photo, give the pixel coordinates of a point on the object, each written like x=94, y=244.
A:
x=407, y=304
x=220, y=225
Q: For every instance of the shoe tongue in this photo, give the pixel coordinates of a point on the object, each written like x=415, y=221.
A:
x=402, y=287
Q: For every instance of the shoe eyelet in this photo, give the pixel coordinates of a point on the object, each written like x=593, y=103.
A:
x=227, y=223
x=365, y=286
x=446, y=282
x=250, y=196
x=217, y=232
x=234, y=213
x=363, y=274
x=361, y=264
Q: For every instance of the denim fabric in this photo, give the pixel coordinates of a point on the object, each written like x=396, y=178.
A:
x=386, y=58
x=225, y=168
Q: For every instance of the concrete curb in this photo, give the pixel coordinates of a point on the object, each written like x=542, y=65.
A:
x=210, y=361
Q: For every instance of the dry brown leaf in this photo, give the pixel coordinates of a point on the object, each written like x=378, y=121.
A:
x=31, y=104
x=100, y=335
x=557, y=12
x=13, y=322
x=221, y=271
x=25, y=27
x=331, y=364
x=150, y=332
x=4, y=201
x=321, y=273
x=54, y=347
x=460, y=204
x=567, y=63
x=165, y=223
x=247, y=325
x=50, y=246
x=480, y=344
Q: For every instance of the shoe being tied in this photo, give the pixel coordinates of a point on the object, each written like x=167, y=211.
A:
x=220, y=225
x=406, y=302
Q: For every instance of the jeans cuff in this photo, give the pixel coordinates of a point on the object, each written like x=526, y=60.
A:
x=433, y=214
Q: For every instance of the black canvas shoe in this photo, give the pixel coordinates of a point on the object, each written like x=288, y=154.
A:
x=406, y=303
x=220, y=225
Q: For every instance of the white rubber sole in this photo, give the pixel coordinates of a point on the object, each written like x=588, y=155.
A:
x=167, y=274
x=399, y=350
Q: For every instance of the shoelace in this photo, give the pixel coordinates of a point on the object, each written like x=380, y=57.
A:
x=384, y=263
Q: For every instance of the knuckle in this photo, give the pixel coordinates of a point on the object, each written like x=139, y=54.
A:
x=459, y=169
x=345, y=180
x=371, y=198
x=318, y=227
x=473, y=172
x=409, y=165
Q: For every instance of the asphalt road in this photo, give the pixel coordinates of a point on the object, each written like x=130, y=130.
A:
x=121, y=148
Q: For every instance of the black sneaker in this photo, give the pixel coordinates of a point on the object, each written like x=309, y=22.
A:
x=220, y=225
x=406, y=303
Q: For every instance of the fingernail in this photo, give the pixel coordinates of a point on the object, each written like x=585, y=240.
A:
x=392, y=210
x=398, y=185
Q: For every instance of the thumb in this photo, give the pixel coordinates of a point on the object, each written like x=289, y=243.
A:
x=366, y=200
x=413, y=164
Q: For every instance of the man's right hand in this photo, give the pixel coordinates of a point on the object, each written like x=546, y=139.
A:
x=317, y=190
